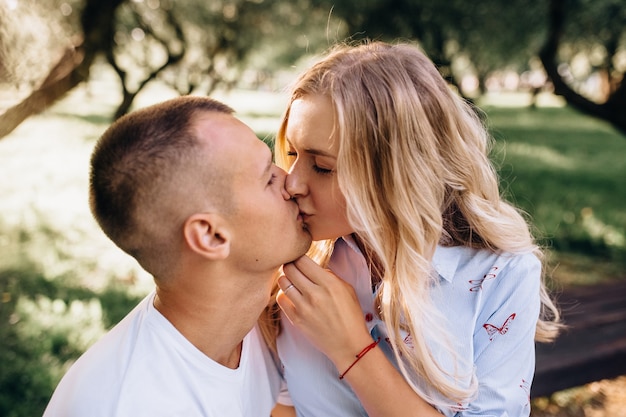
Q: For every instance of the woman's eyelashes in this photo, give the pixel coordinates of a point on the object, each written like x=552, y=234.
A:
x=321, y=170
x=318, y=169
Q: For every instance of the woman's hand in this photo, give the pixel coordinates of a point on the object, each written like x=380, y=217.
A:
x=327, y=311
x=325, y=308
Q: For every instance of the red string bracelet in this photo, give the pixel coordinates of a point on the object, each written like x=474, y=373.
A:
x=360, y=355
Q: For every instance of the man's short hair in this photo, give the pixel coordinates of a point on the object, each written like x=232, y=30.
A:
x=138, y=168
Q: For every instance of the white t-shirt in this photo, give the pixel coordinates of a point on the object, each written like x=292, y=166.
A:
x=145, y=367
x=491, y=305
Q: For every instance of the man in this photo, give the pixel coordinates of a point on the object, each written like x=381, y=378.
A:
x=191, y=193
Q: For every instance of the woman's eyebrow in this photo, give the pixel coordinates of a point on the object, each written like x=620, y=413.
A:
x=314, y=151
x=319, y=152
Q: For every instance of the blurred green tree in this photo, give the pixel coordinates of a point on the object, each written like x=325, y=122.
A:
x=197, y=46
x=193, y=45
x=508, y=34
x=585, y=56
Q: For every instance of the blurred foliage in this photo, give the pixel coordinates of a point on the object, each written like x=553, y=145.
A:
x=31, y=35
x=492, y=34
x=196, y=46
x=484, y=35
x=46, y=322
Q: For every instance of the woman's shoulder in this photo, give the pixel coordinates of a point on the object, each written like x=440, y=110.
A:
x=484, y=265
x=464, y=255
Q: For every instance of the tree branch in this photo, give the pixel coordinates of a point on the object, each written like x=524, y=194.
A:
x=72, y=69
x=173, y=57
x=64, y=76
x=612, y=110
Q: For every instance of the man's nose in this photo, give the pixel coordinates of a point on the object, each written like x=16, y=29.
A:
x=283, y=177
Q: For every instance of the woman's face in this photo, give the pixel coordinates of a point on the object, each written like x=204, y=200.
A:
x=312, y=179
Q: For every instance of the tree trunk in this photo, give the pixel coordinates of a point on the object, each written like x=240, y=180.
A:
x=73, y=68
x=65, y=75
x=612, y=110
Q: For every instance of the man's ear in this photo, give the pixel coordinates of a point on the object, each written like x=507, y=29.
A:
x=207, y=235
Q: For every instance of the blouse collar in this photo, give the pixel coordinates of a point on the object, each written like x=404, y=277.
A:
x=445, y=260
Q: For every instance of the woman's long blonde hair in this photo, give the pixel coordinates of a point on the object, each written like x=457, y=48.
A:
x=414, y=168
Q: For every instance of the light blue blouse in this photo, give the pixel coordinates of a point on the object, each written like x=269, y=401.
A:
x=490, y=304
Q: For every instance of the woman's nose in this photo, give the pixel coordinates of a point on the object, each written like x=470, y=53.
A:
x=295, y=184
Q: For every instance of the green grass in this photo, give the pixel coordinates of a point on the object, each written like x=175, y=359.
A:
x=567, y=171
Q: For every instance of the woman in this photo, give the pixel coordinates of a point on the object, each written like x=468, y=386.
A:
x=441, y=296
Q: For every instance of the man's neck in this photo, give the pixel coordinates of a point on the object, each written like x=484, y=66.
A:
x=214, y=322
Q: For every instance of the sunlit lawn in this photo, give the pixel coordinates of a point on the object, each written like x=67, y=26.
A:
x=567, y=171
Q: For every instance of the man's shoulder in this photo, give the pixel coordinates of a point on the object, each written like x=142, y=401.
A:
x=97, y=373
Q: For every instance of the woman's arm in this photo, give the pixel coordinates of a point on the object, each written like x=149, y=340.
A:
x=327, y=311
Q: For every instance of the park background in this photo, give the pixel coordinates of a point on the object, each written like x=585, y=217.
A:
x=548, y=74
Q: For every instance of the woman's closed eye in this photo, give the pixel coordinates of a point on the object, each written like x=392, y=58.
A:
x=323, y=171
x=317, y=168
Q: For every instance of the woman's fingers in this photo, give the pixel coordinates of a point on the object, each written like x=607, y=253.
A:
x=310, y=269
x=282, y=298
x=299, y=290
x=307, y=276
x=286, y=285
x=327, y=312
x=299, y=280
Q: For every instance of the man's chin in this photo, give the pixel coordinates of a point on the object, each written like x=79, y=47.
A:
x=303, y=250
